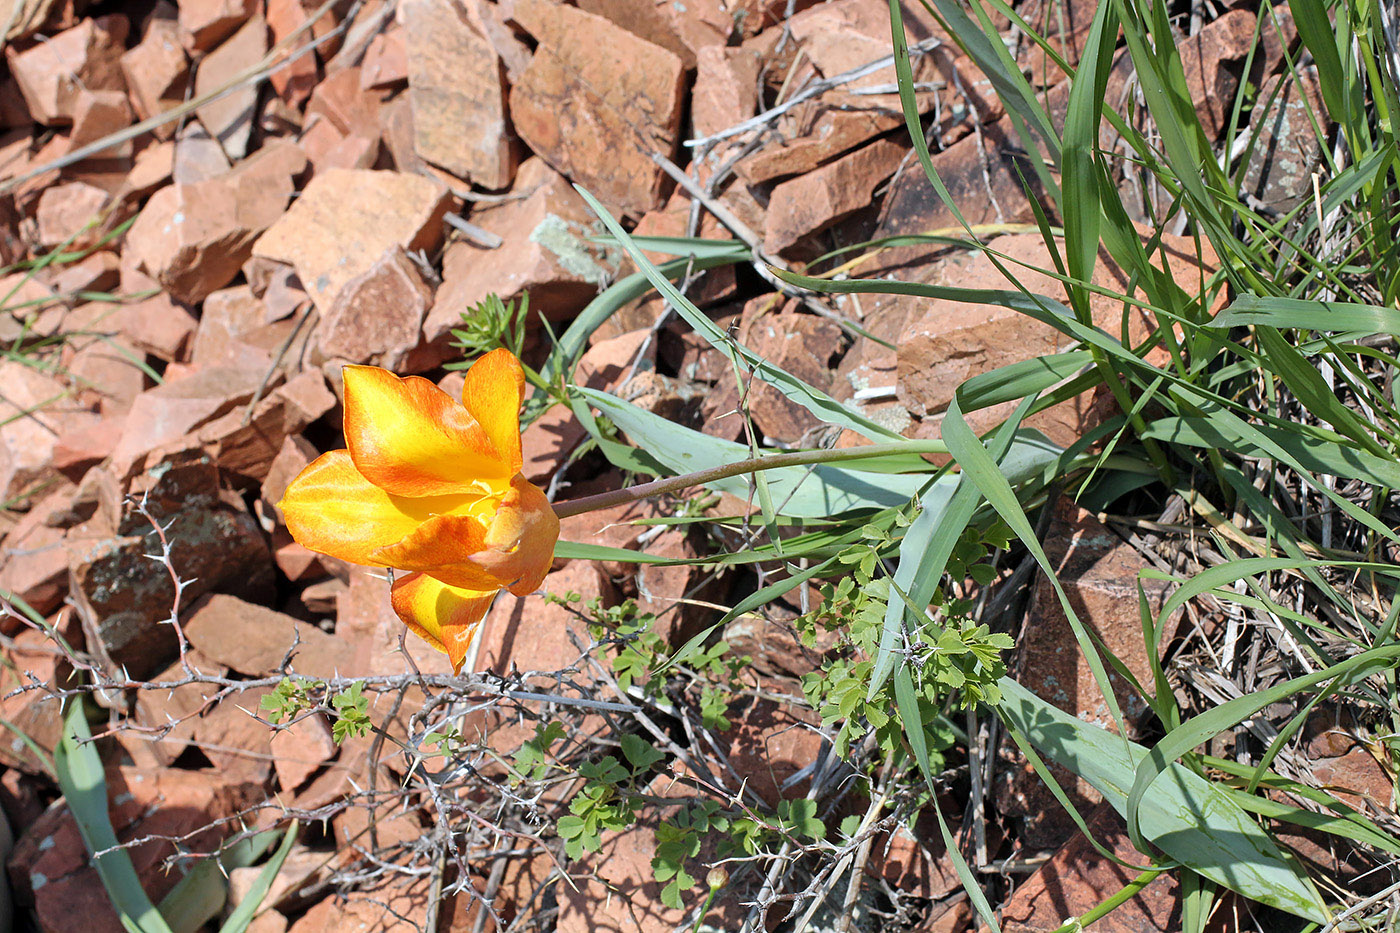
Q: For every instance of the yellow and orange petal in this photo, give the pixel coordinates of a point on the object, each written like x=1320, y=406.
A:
x=527, y=529
x=446, y=617
x=410, y=438
x=515, y=553
x=331, y=508
x=492, y=393
x=445, y=546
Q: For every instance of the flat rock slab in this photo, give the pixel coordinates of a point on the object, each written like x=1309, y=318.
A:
x=596, y=101
x=344, y=222
x=254, y=640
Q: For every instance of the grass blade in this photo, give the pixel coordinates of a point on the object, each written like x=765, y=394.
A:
x=247, y=909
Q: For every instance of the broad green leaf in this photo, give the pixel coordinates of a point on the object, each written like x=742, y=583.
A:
x=200, y=896
x=979, y=465
x=1318, y=33
x=1317, y=455
x=84, y=787
x=944, y=511
x=1161, y=757
x=1080, y=201
x=1186, y=816
x=819, y=491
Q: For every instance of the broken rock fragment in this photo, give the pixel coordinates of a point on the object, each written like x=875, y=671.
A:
x=70, y=213
x=255, y=640
x=544, y=234
x=386, y=60
x=295, y=80
x=344, y=222
x=378, y=316
x=1077, y=879
x=126, y=597
x=596, y=101
x=194, y=238
x=810, y=203
x=166, y=413
x=206, y=23
x=35, y=410
x=456, y=85
x=245, y=445
x=53, y=73
x=157, y=72
x=229, y=119
x=97, y=114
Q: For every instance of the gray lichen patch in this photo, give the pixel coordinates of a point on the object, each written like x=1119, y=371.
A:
x=575, y=254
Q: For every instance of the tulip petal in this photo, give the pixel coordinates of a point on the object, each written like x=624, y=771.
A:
x=333, y=509
x=512, y=549
x=410, y=438
x=493, y=392
x=446, y=617
x=445, y=546
x=526, y=528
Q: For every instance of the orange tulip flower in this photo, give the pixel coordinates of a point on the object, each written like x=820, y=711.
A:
x=434, y=488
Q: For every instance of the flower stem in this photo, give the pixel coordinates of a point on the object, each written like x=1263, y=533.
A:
x=771, y=462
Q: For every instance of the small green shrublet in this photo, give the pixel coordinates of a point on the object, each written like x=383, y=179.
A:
x=291, y=698
x=489, y=324
x=955, y=662
x=352, y=709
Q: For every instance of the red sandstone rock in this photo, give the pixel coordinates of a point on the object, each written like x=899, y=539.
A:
x=378, y=316
x=157, y=72
x=946, y=342
x=684, y=29
x=198, y=156
x=255, y=640
x=398, y=908
x=301, y=749
x=230, y=118
x=726, y=88
x=245, y=447
x=1211, y=60
x=167, y=412
x=235, y=739
x=802, y=344
x=206, y=23
x=51, y=74
x=295, y=80
x=125, y=598
x=1078, y=879
x=596, y=101
x=810, y=203
x=456, y=85
x=544, y=252
x=340, y=99
x=70, y=213
x=174, y=714
x=97, y=114
x=193, y=238
x=345, y=220
x=386, y=60
x=35, y=568
x=35, y=409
